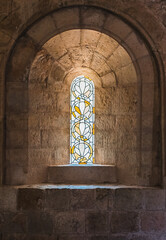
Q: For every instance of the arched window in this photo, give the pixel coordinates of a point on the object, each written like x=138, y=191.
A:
x=82, y=115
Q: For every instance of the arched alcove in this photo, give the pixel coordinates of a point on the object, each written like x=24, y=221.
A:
x=126, y=73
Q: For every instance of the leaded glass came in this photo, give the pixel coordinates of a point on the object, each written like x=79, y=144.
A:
x=82, y=115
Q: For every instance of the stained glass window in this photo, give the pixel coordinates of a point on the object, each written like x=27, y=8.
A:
x=82, y=115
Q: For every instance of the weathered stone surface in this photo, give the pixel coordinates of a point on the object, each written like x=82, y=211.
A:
x=57, y=199
x=40, y=222
x=96, y=222
x=29, y=198
x=42, y=30
x=109, y=80
x=82, y=199
x=154, y=199
x=19, y=63
x=124, y=222
x=34, y=139
x=117, y=27
x=66, y=18
x=8, y=199
x=128, y=199
x=16, y=139
x=86, y=174
x=153, y=221
x=102, y=197
x=17, y=101
x=98, y=237
x=13, y=222
x=70, y=222
x=91, y=17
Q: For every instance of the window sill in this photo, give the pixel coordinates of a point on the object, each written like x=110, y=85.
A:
x=82, y=174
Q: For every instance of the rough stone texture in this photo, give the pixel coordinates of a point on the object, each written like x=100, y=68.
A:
x=71, y=212
x=69, y=174
x=124, y=66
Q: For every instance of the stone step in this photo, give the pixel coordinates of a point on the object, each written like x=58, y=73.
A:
x=84, y=174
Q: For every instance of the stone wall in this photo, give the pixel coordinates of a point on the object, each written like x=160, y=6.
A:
x=117, y=102
x=127, y=99
x=71, y=213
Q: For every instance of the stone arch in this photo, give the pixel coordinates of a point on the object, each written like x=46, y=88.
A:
x=35, y=37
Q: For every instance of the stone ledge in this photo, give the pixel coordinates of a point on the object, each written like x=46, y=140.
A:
x=86, y=174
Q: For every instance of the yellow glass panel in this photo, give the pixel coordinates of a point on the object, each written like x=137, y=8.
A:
x=77, y=110
x=93, y=110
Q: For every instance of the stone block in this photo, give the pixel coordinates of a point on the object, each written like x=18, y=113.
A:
x=16, y=175
x=40, y=223
x=29, y=198
x=147, y=121
x=106, y=101
x=39, y=157
x=89, y=38
x=56, y=75
x=16, y=139
x=126, y=124
x=128, y=100
x=42, y=30
x=85, y=174
x=38, y=174
x=40, y=69
x=71, y=39
x=128, y=199
x=67, y=18
x=63, y=102
x=34, y=139
x=127, y=141
x=70, y=222
x=76, y=56
x=109, y=80
x=62, y=155
x=19, y=63
x=136, y=45
x=148, y=98
x=154, y=199
x=124, y=222
x=66, y=62
x=41, y=100
x=17, y=101
x=106, y=45
x=17, y=122
x=34, y=120
x=153, y=221
x=87, y=54
x=56, y=138
x=126, y=75
x=105, y=122
x=17, y=157
x=82, y=199
x=13, y=222
x=131, y=160
x=117, y=27
x=102, y=197
x=57, y=199
x=147, y=140
x=54, y=49
x=96, y=222
x=92, y=17
x=98, y=60
x=119, y=59
x=8, y=199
